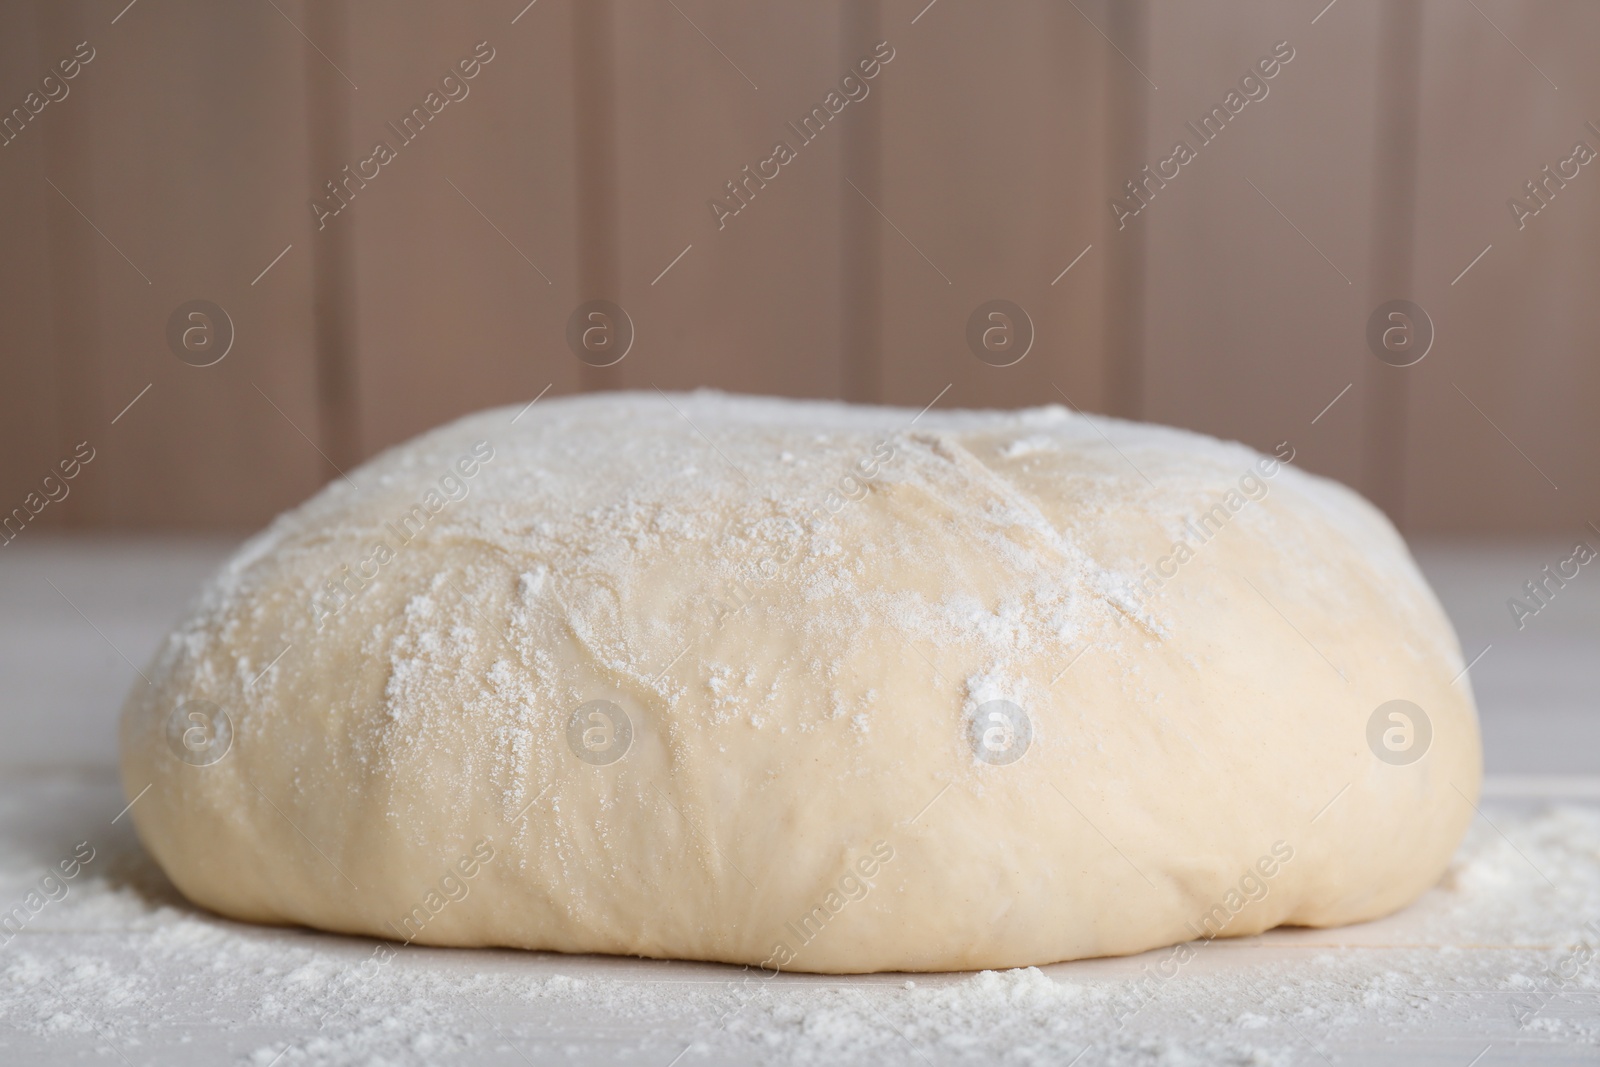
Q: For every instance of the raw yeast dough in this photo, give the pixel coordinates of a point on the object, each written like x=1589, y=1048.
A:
x=812, y=686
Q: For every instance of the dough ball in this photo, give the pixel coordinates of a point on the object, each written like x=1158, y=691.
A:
x=810, y=686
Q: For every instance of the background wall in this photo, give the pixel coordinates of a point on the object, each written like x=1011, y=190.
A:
x=182, y=161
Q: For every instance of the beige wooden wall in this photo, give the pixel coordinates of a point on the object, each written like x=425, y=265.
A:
x=1382, y=160
x=980, y=164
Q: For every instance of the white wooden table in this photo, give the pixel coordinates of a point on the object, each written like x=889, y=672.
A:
x=123, y=971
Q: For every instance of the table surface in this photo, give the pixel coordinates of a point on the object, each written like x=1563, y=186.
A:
x=1500, y=962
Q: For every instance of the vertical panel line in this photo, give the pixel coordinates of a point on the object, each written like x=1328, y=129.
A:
x=333, y=265
x=861, y=282
x=599, y=255
x=1399, y=102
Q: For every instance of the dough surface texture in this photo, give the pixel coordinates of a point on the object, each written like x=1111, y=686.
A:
x=811, y=686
